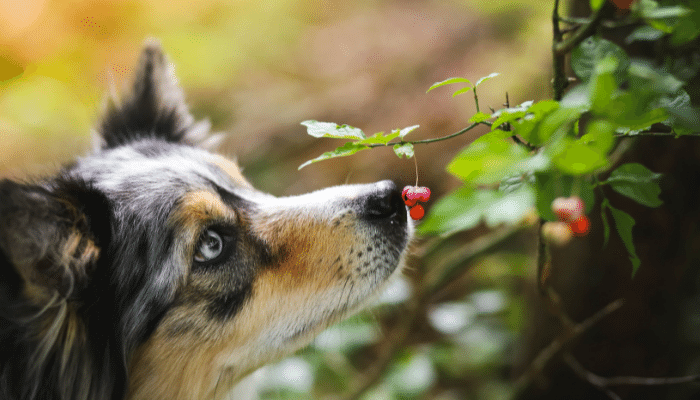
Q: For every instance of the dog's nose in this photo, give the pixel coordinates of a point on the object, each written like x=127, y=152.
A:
x=385, y=202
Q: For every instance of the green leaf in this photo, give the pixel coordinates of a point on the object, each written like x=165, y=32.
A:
x=644, y=33
x=489, y=76
x=449, y=81
x=347, y=149
x=489, y=159
x=600, y=136
x=404, y=150
x=405, y=131
x=666, y=12
x=379, y=138
x=636, y=182
x=578, y=158
x=591, y=51
x=331, y=130
x=479, y=117
x=466, y=207
x=624, y=224
x=460, y=210
x=461, y=91
x=549, y=186
x=511, y=208
x=596, y=4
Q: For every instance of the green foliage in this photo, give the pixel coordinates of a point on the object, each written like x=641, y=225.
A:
x=538, y=151
x=361, y=141
x=636, y=182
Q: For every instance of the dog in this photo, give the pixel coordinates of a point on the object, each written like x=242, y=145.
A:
x=152, y=269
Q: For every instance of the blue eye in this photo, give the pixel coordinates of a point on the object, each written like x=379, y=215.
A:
x=210, y=246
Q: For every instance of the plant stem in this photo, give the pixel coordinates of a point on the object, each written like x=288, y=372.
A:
x=467, y=129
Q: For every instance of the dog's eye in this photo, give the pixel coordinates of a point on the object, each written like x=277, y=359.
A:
x=210, y=246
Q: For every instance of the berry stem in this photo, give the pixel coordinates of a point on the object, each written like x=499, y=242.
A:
x=415, y=161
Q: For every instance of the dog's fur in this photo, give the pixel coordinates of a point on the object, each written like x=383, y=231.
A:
x=106, y=291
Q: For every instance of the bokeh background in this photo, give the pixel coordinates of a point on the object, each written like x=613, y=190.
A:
x=256, y=69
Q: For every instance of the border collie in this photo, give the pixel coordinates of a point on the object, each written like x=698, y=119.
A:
x=152, y=269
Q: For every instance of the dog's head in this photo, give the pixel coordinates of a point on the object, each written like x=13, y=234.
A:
x=152, y=269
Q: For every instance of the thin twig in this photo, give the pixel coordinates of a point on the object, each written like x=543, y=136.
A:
x=467, y=129
x=543, y=358
x=603, y=383
x=586, y=30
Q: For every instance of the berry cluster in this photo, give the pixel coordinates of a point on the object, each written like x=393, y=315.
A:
x=572, y=220
x=411, y=195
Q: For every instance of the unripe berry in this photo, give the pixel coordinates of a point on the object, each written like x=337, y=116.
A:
x=417, y=212
x=568, y=209
x=558, y=233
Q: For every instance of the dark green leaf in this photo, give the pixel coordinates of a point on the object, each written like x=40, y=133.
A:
x=624, y=224
x=586, y=56
x=347, y=149
x=636, y=182
x=448, y=82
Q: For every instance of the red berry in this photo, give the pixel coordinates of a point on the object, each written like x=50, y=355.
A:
x=568, y=209
x=404, y=195
x=580, y=226
x=423, y=193
x=417, y=212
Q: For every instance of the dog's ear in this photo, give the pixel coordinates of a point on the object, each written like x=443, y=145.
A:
x=47, y=239
x=155, y=108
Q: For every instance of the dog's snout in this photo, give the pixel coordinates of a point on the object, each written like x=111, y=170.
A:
x=384, y=203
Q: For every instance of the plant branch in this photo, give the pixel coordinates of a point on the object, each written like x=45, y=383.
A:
x=559, y=343
x=467, y=129
x=563, y=47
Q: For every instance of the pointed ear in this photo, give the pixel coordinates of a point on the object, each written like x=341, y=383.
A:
x=48, y=239
x=155, y=108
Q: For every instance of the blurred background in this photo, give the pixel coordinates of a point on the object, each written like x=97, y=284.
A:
x=257, y=69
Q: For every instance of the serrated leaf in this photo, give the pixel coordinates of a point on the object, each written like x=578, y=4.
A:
x=624, y=223
x=404, y=150
x=347, y=149
x=479, y=117
x=332, y=130
x=461, y=91
x=449, y=81
x=636, y=182
x=489, y=76
x=405, y=131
